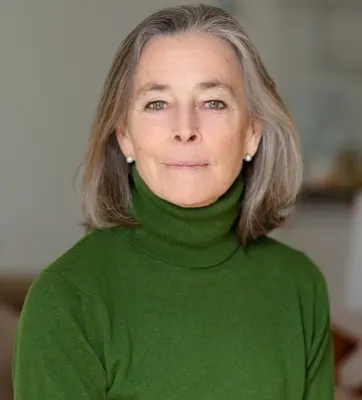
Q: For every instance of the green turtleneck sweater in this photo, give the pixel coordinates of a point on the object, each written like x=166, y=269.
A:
x=176, y=309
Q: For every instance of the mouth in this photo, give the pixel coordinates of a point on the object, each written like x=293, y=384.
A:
x=185, y=165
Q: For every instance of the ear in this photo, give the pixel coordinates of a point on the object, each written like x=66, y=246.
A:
x=124, y=140
x=253, y=137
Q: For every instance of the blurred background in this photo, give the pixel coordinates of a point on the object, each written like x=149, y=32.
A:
x=54, y=58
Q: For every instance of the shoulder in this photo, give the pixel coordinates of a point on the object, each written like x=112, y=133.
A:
x=68, y=296
x=90, y=264
x=278, y=258
x=292, y=274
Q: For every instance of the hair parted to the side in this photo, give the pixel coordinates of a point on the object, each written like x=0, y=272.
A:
x=272, y=178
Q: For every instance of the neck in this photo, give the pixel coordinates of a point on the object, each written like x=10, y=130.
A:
x=197, y=237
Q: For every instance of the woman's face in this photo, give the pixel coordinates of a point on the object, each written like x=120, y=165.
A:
x=187, y=126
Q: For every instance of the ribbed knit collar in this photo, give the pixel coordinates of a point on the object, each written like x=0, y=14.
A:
x=193, y=237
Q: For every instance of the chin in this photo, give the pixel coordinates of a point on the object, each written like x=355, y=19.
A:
x=187, y=191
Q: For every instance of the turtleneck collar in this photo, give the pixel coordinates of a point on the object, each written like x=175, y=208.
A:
x=193, y=237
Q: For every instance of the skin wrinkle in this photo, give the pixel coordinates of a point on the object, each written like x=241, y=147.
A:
x=183, y=126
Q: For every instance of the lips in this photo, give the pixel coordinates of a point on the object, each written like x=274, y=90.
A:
x=187, y=164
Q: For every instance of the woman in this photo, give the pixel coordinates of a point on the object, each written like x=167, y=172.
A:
x=177, y=293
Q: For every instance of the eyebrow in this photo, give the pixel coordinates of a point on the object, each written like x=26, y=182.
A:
x=207, y=85
x=218, y=84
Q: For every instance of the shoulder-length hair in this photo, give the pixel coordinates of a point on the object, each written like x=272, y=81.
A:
x=272, y=178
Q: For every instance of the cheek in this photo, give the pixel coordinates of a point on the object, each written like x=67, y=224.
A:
x=230, y=152
x=148, y=135
x=225, y=137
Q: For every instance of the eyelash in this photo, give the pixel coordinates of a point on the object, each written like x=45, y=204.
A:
x=148, y=106
x=223, y=104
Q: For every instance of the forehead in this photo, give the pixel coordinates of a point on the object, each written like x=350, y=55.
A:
x=187, y=58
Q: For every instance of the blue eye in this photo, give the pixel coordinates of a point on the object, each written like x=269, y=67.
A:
x=215, y=104
x=155, y=105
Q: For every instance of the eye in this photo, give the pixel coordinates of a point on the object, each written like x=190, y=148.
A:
x=215, y=104
x=156, y=105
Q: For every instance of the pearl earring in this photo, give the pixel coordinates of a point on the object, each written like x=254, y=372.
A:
x=248, y=157
x=129, y=160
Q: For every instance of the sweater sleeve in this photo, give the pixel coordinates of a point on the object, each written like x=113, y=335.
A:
x=56, y=354
x=320, y=368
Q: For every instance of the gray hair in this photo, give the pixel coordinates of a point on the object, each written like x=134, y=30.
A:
x=272, y=178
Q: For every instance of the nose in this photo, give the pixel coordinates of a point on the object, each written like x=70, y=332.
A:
x=186, y=128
